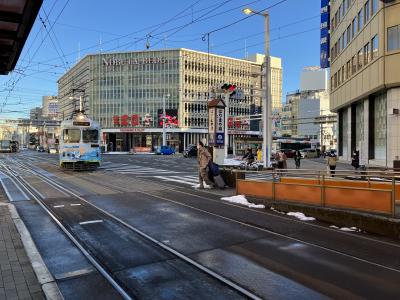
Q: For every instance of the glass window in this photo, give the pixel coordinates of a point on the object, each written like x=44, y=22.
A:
x=374, y=47
x=354, y=27
x=354, y=64
x=72, y=135
x=360, y=59
x=342, y=74
x=348, y=70
x=393, y=38
x=366, y=12
x=90, y=136
x=374, y=6
x=344, y=39
x=366, y=54
x=339, y=76
x=360, y=19
x=380, y=115
x=348, y=34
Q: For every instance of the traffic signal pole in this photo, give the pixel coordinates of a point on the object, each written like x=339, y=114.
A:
x=226, y=137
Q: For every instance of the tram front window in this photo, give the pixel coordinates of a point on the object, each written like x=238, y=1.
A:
x=90, y=136
x=72, y=135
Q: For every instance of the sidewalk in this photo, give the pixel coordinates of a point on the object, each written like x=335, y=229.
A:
x=17, y=278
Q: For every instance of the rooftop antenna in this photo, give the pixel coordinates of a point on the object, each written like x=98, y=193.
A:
x=148, y=41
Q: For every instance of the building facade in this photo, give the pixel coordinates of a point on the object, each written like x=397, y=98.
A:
x=365, y=78
x=50, y=107
x=125, y=92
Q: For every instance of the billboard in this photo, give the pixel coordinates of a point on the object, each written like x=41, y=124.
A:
x=325, y=36
x=171, y=118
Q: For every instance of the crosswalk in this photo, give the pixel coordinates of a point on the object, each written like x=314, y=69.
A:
x=122, y=168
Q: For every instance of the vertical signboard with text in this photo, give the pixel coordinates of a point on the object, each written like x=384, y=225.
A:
x=220, y=127
x=211, y=126
x=325, y=35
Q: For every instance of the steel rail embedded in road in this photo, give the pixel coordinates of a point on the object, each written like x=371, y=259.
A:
x=34, y=193
x=176, y=253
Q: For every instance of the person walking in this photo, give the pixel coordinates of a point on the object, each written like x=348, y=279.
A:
x=297, y=158
x=331, y=162
x=259, y=154
x=249, y=156
x=355, y=160
x=203, y=158
x=284, y=158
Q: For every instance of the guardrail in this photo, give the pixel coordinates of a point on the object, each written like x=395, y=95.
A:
x=368, y=191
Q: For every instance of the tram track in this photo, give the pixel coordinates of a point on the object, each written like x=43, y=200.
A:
x=233, y=290
x=166, y=197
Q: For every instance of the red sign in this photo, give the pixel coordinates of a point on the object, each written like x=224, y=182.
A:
x=135, y=120
x=124, y=120
x=237, y=123
x=116, y=120
x=230, y=122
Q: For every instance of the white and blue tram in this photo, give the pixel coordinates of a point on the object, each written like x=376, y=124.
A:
x=79, y=147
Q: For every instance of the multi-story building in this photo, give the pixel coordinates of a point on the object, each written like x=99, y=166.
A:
x=36, y=113
x=365, y=78
x=125, y=93
x=50, y=107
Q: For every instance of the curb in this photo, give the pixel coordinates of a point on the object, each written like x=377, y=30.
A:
x=46, y=280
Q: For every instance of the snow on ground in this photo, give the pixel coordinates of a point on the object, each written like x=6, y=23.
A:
x=347, y=229
x=278, y=211
x=241, y=199
x=232, y=162
x=300, y=216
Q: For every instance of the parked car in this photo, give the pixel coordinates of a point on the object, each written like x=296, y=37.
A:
x=165, y=150
x=190, y=151
x=52, y=150
x=309, y=153
x=40, y=149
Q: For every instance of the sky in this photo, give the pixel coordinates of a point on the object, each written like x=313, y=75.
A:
x=66, y=30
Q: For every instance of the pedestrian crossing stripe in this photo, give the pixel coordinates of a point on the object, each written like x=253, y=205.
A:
x=135, y=169
x=190, y=180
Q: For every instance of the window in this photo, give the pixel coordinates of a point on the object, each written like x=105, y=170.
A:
x=339, y=75
x=90, y=136
x=340, y=12
x=366, y=54
x=359, y=59
x=354, y=27
x=393, y=38
x=374, y=47
x=339, y=45
x=342, y=74
x=348, y=70
x=344, y=39
x=72, y=135
x=374, y=7
x=366, y=12
x=348, y=34
x=360, y=20
x=354, y=64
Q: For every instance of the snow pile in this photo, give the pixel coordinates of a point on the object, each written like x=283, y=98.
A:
x=300, y=216
x=240, y=199
x=347, y=229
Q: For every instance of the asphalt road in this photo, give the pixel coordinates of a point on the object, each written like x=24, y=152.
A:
x=269, y=254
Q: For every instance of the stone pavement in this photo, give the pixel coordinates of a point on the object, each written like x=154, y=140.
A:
x=17, y=278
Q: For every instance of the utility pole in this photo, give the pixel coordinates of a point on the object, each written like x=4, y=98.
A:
x=164, y=136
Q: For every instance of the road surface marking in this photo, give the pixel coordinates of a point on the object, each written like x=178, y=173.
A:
x=90, y=222
x=75, y=204
x=57, y=206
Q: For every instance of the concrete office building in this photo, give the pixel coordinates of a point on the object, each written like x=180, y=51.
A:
x=365, y=78
x=125, y=93
x=50, y=107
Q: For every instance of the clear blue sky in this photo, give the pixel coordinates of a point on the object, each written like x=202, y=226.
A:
x=122, y=25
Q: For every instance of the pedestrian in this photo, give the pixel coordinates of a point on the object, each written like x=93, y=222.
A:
x=284, y=158
x=355, y=160
x=203, y=158
x=248, y=156
x=297, y=158
x=279, y=160
x=331, y=162
x=259, y=154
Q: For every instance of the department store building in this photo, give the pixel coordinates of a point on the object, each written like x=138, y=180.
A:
x=125, y=92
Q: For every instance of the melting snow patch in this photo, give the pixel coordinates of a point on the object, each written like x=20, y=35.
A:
x=240, y=199
x=347, y=229
x=334, y=227
x=278, y=211
x=300, y=216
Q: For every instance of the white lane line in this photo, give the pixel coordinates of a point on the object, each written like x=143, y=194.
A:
x=90, y=222
x=165, y=178
x=58, y=206
x=75, y=204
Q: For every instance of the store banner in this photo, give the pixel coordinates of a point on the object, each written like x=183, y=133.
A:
x=325, y=35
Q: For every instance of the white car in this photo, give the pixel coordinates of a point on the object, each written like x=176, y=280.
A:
x=52, y=150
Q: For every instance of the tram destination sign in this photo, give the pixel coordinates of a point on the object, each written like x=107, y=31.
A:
x=80, y=123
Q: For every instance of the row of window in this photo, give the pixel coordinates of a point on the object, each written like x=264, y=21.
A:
x=220, y=70
x=363, y=16
x=363, y=57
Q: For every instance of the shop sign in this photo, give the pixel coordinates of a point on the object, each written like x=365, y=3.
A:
x=220, y=139
x=124, y=120
x=131, y=130
x=325, y=35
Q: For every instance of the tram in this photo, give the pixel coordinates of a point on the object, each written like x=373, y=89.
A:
x=79, y=147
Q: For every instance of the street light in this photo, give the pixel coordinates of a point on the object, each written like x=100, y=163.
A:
x=267, y=134
x=164, y=133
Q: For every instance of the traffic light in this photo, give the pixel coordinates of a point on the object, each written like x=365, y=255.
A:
x=229, y=88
